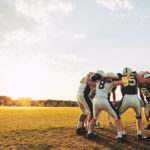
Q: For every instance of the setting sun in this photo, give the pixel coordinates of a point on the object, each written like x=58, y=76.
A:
x=23, y=79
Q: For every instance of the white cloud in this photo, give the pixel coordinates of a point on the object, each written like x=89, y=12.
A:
x=58, y=57
x=68, y=57
x=21, y=17
x=12, y=21
x=115, y=5
x=64, y=34
x=61, y=6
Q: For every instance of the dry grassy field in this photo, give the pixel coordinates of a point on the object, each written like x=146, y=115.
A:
x=40, y=128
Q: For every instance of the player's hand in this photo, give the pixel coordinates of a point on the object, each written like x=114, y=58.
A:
x=91, y=73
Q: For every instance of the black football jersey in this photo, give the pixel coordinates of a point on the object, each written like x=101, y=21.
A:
x=131, y=87
x=145, y=89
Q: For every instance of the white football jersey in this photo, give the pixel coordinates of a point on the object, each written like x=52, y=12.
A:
x=82, y=85
x=103, y=89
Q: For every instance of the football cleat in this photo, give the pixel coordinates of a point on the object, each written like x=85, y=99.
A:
x=80, y=131
x=124, y=136
x=139, y=137
x=89, y=136
x=122, y=140
x=146, y=138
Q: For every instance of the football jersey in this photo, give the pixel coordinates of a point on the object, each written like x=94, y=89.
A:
x=82, y=85
x=145, y=89
x=103, y=88
x=131, y=87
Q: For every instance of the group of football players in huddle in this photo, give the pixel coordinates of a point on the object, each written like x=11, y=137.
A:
x=91, y=104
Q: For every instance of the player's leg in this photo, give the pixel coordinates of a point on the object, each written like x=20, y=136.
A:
x=115, y=114
x=147, y=116
x=137, y=108
x=109, y=120
x=89, y=106
x=123, y=106
x=93, y=121
x=80, y=126
x=98, y=125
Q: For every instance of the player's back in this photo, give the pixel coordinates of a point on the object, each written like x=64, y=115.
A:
x=82, y=85
x=131, y=87
x=145, y=88
x=103, y=89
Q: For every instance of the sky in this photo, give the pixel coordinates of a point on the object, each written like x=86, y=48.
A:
x=47, y=46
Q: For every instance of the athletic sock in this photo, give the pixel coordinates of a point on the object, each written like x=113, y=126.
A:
x=89, y=131
x=123, y=132
x=120, y=134
x=139, y=132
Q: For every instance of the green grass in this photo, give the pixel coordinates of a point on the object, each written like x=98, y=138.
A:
x=40, y=128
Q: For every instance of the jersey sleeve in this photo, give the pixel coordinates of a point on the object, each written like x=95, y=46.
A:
x=119, y=76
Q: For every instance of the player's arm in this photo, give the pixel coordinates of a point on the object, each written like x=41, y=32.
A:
x=114, y=96
x=92, y=83
x=122, y=82
x=115, y=83
x=111, y=77
x=82, y=80
x=142, y=74
x=140, y=79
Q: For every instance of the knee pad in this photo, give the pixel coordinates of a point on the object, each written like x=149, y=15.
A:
x=139, y=117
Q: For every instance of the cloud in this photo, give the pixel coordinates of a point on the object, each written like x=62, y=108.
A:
x=115, y=5
x=12, y=20
x=68, y=57
x=64, y=34
x=23, y=17
x=65, y=7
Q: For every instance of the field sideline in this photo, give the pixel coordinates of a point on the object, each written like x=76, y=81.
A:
x=44, y=128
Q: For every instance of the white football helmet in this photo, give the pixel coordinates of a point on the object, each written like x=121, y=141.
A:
x=140, y=72
x=101, y=73
x=126, y=71
x=147, y=75
x=111, y=74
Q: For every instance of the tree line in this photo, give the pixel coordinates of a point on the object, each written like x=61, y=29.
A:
x=27, y=101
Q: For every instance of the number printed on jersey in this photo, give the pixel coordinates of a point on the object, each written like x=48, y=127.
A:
x=131, y=81
x=101, y=85
x=145, y=92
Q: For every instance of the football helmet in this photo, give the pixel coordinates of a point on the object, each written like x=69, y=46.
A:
x=126, y=71
x=111, y=74
x=101, y=73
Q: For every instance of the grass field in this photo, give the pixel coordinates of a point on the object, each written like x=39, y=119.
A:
x=41, y=128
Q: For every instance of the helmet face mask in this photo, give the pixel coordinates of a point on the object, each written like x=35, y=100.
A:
x=96, y=77
x=147, y=75
x=139, y=73
x=126, y=71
